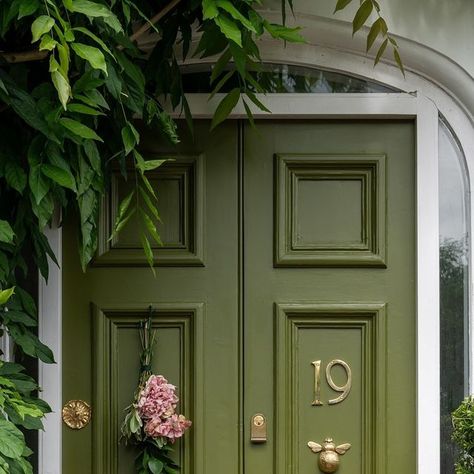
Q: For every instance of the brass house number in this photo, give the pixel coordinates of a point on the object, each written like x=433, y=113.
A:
x=344, y=390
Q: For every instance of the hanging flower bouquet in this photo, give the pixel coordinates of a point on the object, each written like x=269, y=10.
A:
x=151, y=422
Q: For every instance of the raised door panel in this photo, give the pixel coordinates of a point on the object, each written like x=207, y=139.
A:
x=179, y=186
x=330, y=382
x=196, y=314
x=329, y=210
x=178, y=354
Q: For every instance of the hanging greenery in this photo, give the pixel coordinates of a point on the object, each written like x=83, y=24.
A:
x=463, y=436
x=72, y=79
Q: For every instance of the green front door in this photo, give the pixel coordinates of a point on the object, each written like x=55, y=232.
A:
x=285, y=288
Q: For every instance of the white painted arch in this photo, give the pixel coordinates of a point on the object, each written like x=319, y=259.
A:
x=330, y=47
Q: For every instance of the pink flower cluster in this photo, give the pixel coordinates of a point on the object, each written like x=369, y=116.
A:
x=156, y=407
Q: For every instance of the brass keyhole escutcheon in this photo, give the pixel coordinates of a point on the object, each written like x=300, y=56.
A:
x=258, y=429
x=259, y=420
x=329, y=459
x=77, y=414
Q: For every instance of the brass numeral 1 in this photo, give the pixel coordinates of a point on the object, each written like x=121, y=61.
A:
x=343, y=389
x=317, y=384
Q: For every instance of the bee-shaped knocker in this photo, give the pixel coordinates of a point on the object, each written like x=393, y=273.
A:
x=329, y=458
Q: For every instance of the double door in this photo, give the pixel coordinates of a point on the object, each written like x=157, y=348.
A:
x=284, y=301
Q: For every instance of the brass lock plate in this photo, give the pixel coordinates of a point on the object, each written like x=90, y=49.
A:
x=258, y=429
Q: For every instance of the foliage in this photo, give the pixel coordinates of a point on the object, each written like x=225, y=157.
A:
x=463, y=435
x=73, y=78
x=453, y=271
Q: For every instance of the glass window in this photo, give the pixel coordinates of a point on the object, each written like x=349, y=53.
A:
x=454, y=257
x=284, y=78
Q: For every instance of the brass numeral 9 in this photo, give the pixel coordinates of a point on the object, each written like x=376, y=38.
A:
x=343, y=389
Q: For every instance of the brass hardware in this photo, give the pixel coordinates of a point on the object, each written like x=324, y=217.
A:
x=317, y=384
x=77, y=414
x=345, y=389
x=329, y=459
x=258, y=429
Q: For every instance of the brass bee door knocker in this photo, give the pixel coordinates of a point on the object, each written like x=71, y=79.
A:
x=329, y=459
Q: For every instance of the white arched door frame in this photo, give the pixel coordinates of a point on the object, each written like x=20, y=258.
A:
x=426, y=97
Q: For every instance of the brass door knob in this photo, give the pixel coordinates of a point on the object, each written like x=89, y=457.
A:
x=76, y=414
x=329, y=459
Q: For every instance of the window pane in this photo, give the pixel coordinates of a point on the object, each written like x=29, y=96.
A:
x=454, y=257
x=283, y=78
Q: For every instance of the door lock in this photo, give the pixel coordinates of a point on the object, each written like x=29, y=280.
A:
x=258, y=430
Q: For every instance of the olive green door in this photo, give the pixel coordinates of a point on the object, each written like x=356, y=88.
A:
x=285, y=288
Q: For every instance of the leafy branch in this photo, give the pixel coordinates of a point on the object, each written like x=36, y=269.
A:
x=378, y=30
x=68, y=116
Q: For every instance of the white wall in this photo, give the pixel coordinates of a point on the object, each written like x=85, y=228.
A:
x=444, y=25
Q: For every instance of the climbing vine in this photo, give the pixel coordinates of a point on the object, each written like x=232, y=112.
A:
x=73, y=77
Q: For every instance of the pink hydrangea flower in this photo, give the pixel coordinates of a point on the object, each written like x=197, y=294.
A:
x=158, y=399
x=171, y=428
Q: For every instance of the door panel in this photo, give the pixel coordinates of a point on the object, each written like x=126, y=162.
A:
x=339, y=285
x=196, y=312
x=288, y=269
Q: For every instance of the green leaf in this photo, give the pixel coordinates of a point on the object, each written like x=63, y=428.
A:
x=150, y=205
x=148, y=252
x=43, y=24
x=229, y=29
x=27, y=301
x=60, y=176
x=398, y=60
x=90, y=9
x=38, y=185
x=12, y=441
x=30, y=344
x=341, y=4
x=94, y=37
x=374, y=32
x=123, y=216
x=20, y=317
x=155, y=466
x=151, y=227
x=284, y=33
x=380, y=52
x=235, y=14
x=79, y=129
x=221, y=64
x=209, y=9
x=91, y=54
x=92, y=153
x=83, y=109
x=362, y=15
x=6, y=232
x=15, y=176
x=27, y=8
x=5, y=295
x=62, y=86
x=225, y=107
x=148, y=186
x=130, y=137
x=249, y=114
x=148, y=165
x=255, y=100
x=47, y=43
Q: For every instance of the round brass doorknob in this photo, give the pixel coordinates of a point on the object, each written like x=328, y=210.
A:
x=76, y=414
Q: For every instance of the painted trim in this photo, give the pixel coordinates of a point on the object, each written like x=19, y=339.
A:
x=50, y=375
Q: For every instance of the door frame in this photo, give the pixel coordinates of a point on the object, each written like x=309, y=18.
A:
x=308, y=106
